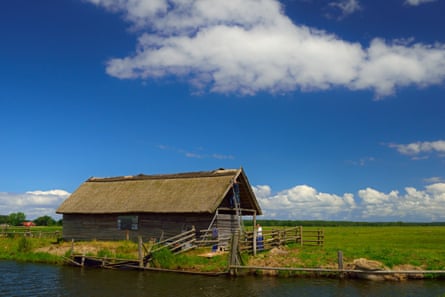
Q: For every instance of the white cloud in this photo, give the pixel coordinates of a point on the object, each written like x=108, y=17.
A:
x=417, y=2
x=346, y=7
x=434, y=179
x=33, y=203
x=196, y=155
x=418, y=148
x=391, y=65
x=362, y=161
x=251, y=46
x=306, y=203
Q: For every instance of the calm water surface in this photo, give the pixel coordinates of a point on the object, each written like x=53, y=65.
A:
x=24, y=279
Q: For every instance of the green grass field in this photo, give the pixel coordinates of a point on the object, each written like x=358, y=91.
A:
x=422, y=246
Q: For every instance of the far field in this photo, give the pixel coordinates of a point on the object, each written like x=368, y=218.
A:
x=422, y=246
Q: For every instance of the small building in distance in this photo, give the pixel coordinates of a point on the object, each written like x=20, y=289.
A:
x=158, y=206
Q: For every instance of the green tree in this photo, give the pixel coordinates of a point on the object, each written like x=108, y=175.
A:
x=16, y=218
x=45, y=221
x=4, y=219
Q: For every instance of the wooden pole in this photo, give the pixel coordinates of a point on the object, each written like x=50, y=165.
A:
x=254, y=233
x=234, y=261
x=140, y=255
x=72, y=247
x=340, y=263
x=301, y=235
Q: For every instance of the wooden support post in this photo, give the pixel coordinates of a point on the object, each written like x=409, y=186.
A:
x=254, y=233
x=72, y=247
x=340, y=263
x=140, y=255
x=301, y=235
x=234, y=260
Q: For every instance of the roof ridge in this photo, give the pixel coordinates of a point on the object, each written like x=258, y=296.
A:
x=197, y=174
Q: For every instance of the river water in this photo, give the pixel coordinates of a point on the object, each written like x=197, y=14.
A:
x=25, y=279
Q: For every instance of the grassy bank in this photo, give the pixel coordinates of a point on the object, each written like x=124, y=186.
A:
x=23, y=243
x=25, y=249
x=394, y=246
x=420, y=246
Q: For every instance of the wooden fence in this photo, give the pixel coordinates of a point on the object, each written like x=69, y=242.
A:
x=28, y=232
x=235, y=244
x=250, y=242
x=177, y=244
x=279, y=237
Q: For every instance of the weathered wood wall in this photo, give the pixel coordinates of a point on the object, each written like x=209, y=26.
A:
x=227, y=224
x=105, y=226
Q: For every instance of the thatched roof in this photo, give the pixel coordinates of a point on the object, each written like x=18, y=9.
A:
x=195, y=192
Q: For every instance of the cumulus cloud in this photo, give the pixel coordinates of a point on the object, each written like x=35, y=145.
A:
x=417, y=2
x=251, y=46
x=418, y=148
x=306, y=203
x=33, y=204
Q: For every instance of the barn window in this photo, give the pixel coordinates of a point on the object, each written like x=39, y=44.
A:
x=127, y=222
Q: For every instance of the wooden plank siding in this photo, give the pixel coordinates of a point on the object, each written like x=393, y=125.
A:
x=105, y=226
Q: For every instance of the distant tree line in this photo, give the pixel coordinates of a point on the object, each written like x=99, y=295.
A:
x=321, y=223
x=18, y=218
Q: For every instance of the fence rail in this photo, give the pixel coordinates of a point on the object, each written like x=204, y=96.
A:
x=177, y=244
x=28, y=232
x=279, y=237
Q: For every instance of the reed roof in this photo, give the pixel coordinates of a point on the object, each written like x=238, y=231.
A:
x=194, y=192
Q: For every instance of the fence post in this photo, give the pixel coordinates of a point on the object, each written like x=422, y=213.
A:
x=140, y=256
x=301, y=235
x=254, y=233
x=72, y=247
x=340, y=263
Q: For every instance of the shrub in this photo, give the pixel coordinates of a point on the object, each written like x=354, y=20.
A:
x=105, y=253
x=164, y=258
x=24, y=245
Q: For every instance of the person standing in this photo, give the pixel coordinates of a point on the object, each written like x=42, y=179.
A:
x=259, y=238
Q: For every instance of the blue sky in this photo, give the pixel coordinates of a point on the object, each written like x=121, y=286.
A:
x=334, y=108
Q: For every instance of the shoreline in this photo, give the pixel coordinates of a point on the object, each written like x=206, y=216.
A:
x=390, y=250
x=368, y=274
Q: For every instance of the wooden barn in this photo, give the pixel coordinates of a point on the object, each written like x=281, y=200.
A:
x=158, y=206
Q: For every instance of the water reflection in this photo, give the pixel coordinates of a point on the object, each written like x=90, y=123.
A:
x=19, y=279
